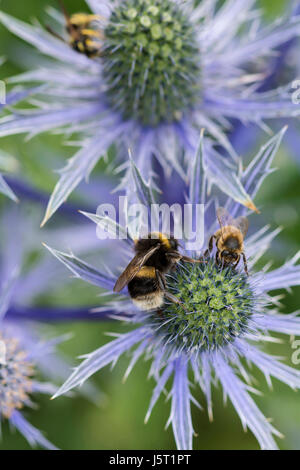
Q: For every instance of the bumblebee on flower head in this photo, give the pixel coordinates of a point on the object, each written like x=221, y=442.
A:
x=155, y=256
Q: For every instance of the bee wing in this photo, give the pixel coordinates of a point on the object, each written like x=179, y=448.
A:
x=242, y=224
x=133, y=268
x=224, y=218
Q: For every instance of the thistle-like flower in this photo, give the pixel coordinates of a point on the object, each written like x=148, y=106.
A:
x=21, y=359
x=19, y=367
x=222, y=316
x=165, y=70
x=25, y=355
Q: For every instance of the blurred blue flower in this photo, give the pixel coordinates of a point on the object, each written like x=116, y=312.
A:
x=226, y=316
x=7, y=164
x=25, y=353
x=167, y=69
x=22, y=356
x=19, y=363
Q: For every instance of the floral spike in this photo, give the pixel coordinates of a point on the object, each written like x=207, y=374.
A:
x=15, y=96
x=161, y=382
x=100, y=7
x=269, y=366
x=221, y=174
x=82, y=270
x=148, y=106
x=32, y=434
x=144, y=190
x=260, y=165
x=110, y=225
x=77, y=168
x=244, y=405
x=180, y=410
x=259, y=168
x=278, y=323
x=6, y=292
x=284, y=277
x=5, y=189
x=36, y=122
x=197, y=178
x=285, y=30
x=100, y=358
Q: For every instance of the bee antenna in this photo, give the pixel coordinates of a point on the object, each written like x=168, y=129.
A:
x=64, y=10
x=53, y=33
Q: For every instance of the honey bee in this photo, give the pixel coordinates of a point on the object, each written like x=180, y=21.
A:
x=84, y=32
x=155, y=256
x=229, y=239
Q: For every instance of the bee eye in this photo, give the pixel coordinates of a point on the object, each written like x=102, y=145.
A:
x=225, y=253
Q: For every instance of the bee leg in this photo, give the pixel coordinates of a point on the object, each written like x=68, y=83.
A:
x=162, y=285
x=174, y=299
x=53, y=33
x=160, y=312
x=160, y=280
x=187, y=259
x=245, y=263
x=173, y=256
x=210, y=246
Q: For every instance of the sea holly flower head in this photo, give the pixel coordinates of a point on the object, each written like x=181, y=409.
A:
x=221, y=316
x=21, y=360
x=24, y=355
x=217, y=305
x=156, y=42
x=15, y=377
x=29, y=363
x=165, y=70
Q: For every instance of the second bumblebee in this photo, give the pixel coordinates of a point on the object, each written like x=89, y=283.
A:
x=85, y=36
x=85, y=32
x=229, y=239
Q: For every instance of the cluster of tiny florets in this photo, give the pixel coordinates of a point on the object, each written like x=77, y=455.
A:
x=15, y=377
x=151, y=61
x=217, y=304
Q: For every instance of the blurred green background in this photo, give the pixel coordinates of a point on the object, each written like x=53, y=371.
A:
x=118, y=423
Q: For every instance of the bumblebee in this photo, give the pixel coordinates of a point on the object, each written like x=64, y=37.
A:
x=155, y=256
x=85, y=34
x=229, y=239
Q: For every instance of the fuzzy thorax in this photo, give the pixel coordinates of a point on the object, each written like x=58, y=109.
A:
x=217, y=304
x=15, y=377
x=151, y=61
